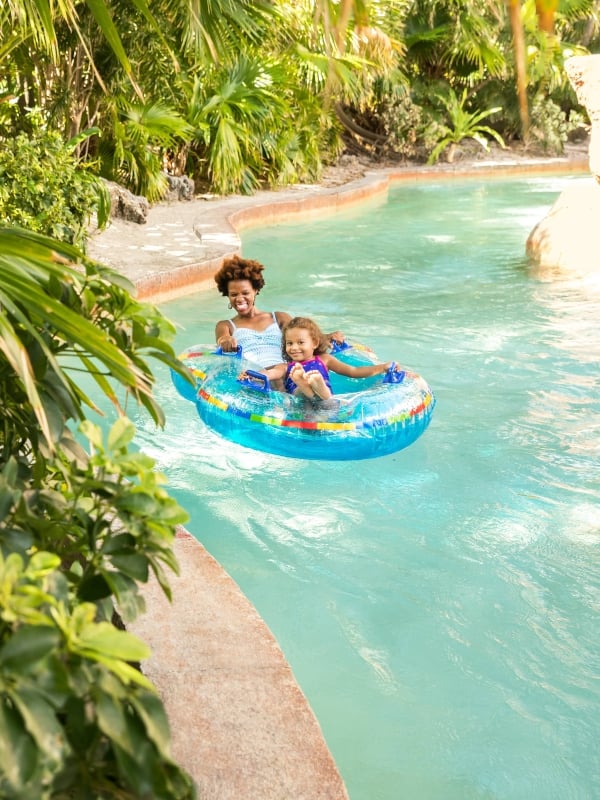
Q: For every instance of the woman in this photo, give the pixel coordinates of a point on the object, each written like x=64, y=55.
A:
x=258, y=332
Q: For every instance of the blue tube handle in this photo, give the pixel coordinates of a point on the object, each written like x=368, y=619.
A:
x=255, y=380
x=337, y=347
x=393, y=375
x=237, y=352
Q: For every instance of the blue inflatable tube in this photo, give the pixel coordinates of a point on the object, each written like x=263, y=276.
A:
x=366, y=418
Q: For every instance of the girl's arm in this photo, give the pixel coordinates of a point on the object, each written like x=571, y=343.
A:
x=272, y=373
x=335, y=336
x=341, y=368
x=275, y=373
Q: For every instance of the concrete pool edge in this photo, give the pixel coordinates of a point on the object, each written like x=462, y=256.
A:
x=183, y=244
x=240, y=724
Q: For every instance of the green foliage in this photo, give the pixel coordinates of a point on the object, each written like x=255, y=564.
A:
x=406, y=126
x=76, y=719
x=550, y=127
x=463, y=124
x=140, y=134
x=44, y=189
x=84, y=521
x=256, y=80
x=83, y=312
x=249, y=129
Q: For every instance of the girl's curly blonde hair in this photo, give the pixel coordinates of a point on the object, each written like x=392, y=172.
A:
x=308, y=325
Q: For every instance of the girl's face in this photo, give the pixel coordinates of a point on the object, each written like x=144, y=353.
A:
x=299, y=344
x=241, y=295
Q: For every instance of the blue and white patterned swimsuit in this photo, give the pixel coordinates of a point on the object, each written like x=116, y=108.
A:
x=312, y=363
x=261, y=347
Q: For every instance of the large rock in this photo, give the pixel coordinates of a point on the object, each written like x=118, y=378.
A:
x=180, y=188
x=584, y=74
x=567, y=238
x=126, y=205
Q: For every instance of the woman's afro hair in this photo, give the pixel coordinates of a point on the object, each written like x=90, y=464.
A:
x=239, y=269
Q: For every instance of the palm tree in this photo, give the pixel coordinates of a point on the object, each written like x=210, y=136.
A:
x=516, y=24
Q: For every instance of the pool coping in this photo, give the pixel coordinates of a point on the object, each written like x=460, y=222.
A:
x=240, y=724
x=183, y=244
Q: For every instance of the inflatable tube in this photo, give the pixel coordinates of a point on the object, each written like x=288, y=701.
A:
x=366, y=418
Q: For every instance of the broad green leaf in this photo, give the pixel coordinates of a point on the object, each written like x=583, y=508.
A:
x=41, y=564
x=92, y=432
x=152, y=713
x=141, y=770
x=8, y=498
x=27, y=645
x=82, y=136
x=93, y=588
x=121, y=543
x=112, y=720
x=136, y=502
x=109, y=641
x=124, y=671
x=40, y=720
x=134, y=565
x=18, y=754
x=121, y=434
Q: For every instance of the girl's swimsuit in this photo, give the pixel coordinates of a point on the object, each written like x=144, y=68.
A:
x=261, y=347
x=312, y=363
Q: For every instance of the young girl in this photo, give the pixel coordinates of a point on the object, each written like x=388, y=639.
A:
x=308, y=364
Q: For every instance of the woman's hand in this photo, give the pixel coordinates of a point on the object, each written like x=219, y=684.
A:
x=337, y=337
x=227, y=343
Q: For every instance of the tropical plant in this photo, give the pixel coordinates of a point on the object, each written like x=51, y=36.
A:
x=550, y=127
x=84, y=521
x=58, y=201
x=132, y=153
x=463, y=124
x=255, y=122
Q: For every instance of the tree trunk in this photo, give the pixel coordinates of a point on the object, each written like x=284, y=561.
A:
x=516, y=24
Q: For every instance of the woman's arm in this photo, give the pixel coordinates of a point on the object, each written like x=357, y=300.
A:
x=282, y=317
x=223, y=336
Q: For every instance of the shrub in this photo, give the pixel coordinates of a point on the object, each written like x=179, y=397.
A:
x=84, y=521
x=45, y=190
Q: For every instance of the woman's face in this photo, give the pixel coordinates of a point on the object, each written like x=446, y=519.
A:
x=241, y=295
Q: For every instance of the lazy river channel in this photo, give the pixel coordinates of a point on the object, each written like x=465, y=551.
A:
x=439, y=606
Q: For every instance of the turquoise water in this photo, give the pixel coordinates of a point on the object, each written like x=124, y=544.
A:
x=439, y=606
